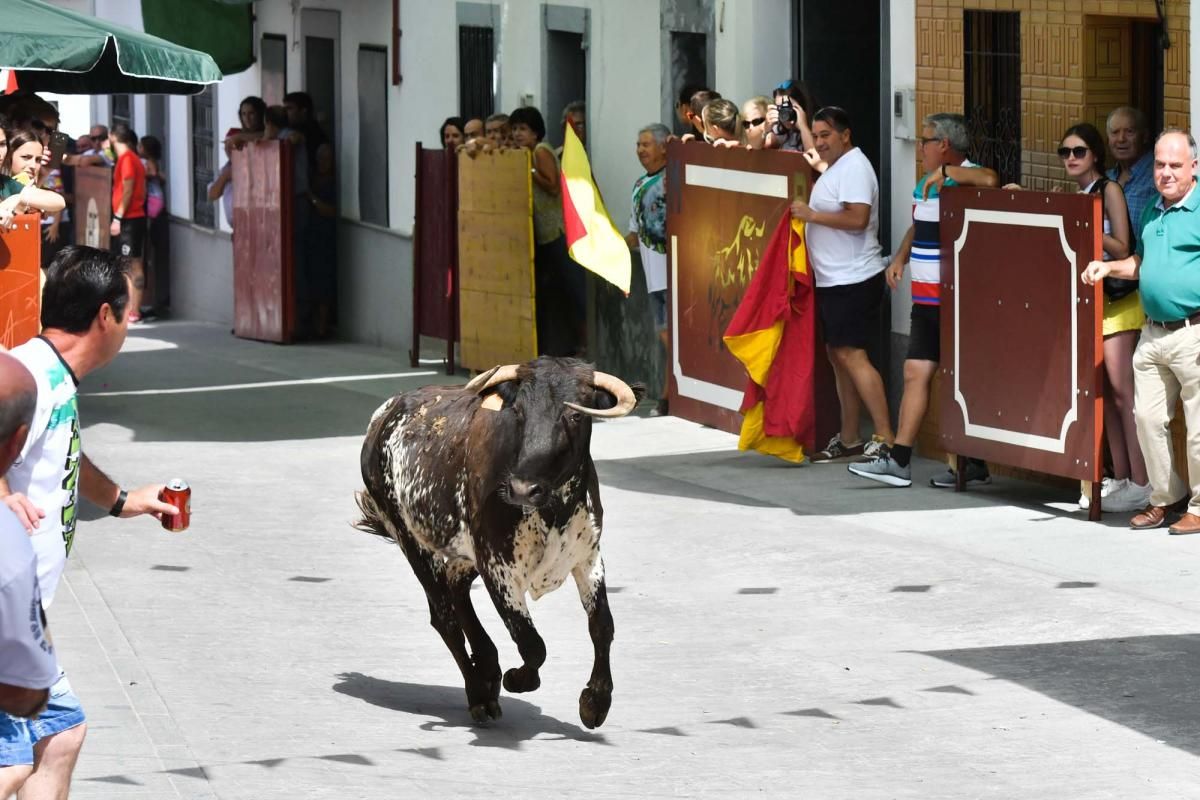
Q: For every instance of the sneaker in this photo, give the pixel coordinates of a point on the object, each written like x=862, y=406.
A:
x=976, y=475
x=875, y=448
x=1107, y=487
x=1128, y=497
x=884, y=470
x=838, y=449
x=661, y=409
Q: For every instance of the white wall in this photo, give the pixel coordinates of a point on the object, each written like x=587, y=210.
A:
x=904, y=152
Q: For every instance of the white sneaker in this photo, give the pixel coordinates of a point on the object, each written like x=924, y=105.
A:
x=1129, y=497
x=1107, y=487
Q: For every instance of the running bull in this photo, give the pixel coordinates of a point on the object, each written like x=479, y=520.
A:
x=495, y=479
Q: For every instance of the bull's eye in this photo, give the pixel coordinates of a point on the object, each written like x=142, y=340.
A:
x=574, y=415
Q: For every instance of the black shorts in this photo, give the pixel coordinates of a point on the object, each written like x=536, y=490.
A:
x=131, y=241
x=925, y=333
x=850, y=315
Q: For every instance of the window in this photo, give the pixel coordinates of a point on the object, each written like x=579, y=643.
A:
x=992, y=72
x=476, y=71
x=273, y=64
x=203, y=161
x=120, y=111
x=372, y=135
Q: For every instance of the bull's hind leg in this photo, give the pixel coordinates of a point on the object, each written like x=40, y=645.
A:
x=596, y=698
x=486, y=661
x=510, y=603
x=443, y=616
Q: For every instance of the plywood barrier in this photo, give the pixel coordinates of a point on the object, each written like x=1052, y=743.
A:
x=495, y=259
x=435, y=252
x=264, y=242
x=93, y=206
x=20, y=281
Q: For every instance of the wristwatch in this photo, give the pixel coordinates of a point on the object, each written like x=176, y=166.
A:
x=119, y=506
x=944, y=175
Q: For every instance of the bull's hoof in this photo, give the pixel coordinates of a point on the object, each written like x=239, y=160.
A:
x=593, y=707
x=483, y=712
x=521, y=679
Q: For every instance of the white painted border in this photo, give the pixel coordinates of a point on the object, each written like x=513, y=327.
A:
x=1027, y=220
x=736, y=180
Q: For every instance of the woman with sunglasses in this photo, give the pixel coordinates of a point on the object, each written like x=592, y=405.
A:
x=723, y=124
x=1082, y=153
x=754, y=121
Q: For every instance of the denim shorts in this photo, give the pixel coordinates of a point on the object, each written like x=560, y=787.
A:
x=19, y=735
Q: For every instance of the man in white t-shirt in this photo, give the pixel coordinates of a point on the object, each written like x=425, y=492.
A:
x=27, y=665
x=84, y=322
x=842, y=235
x=648, y=229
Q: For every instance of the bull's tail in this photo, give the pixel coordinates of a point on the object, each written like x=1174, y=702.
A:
x=374, y=521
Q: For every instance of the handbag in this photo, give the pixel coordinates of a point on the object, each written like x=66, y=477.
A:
x=1114, y=288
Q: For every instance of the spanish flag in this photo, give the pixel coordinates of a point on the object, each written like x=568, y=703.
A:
x=592, y=239
x=772, y=334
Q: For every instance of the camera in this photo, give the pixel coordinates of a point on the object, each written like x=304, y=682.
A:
x=787, y=116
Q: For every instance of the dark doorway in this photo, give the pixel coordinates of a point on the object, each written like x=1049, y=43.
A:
x=566, y=79
x=476, y=71
x=1147, y=73
x=319, y=61
x=689, y=67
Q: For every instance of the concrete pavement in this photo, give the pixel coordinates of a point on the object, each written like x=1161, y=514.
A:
x=781, y=631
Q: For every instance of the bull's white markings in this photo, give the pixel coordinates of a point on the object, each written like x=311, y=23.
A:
x=230, y=387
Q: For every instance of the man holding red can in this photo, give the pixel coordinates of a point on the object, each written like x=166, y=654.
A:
x=85, y=316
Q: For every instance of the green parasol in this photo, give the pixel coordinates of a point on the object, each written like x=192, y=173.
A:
x=55, y=50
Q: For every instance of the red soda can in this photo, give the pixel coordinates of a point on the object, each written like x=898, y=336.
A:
x=178, y=494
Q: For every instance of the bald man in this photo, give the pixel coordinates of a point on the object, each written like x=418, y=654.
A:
x=27, y=665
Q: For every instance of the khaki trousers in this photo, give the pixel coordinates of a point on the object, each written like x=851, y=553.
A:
x=1166, y=368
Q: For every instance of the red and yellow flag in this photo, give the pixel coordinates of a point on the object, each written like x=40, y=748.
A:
x=592, y=239
x=772, y=334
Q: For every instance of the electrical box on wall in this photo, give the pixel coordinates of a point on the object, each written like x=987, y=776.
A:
x=525, y=99
x=904, y=114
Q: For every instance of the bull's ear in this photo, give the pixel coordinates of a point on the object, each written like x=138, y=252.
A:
x=604, y=400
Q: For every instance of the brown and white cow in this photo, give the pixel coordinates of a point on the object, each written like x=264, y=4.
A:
x=495, y=479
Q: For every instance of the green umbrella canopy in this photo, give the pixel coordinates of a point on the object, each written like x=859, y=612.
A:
x=55, y=50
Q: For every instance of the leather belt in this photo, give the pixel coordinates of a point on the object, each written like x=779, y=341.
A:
x=1194, y=319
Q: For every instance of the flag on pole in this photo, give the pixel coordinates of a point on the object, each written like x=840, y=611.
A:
x=592, y=239
x=772, y=334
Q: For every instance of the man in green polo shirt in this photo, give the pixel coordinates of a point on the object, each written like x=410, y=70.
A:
x=1166, y=364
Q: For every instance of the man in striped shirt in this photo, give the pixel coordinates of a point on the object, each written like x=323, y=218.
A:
x=943, y=146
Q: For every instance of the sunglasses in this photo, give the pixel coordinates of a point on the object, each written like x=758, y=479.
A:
x=930, y=140
x=753, y=123
x=1078, y=152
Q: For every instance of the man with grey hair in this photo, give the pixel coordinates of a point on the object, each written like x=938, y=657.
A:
x=27, y=664
x=648, y=228
x=944, y=145
x=1129, y=141
x=1166, y=364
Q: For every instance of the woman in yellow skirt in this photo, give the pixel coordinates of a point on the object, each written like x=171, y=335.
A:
x=1082, y=152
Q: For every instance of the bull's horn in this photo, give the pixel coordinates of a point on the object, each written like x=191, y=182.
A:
x=626, y=399
x=486, y=380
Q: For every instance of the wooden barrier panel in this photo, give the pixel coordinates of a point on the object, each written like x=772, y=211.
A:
x=93, y=205
x=263, y=267
x=21, y=281
x=722, y=207
x=495, y=259
x=435, y=252
x=1021, y=372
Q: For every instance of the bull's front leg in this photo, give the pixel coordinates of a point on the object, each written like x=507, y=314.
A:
x=596, y=698
x=509, y=599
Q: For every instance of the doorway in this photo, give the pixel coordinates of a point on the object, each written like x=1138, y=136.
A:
x=565, y=48
x=320, y=66
x=1123, y=66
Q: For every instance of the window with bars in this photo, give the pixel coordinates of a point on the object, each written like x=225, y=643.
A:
x=120, y=110
x=992, y=89
x=203, y=158
x=476, y=71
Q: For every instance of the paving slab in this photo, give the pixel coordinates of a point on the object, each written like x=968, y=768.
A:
x=781, y=631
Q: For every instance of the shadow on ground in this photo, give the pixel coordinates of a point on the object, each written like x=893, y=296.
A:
x=1146, y=683
x=447, y=706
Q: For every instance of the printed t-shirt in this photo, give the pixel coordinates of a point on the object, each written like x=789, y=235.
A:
x=47, y=470
x=844, y=257
x=926, y=256
x=28, y=655
x=130, y=166
x=648, y=219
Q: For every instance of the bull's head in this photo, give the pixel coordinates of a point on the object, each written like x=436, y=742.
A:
x=547, y=412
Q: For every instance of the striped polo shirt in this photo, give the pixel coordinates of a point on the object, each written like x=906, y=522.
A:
x=926, y=256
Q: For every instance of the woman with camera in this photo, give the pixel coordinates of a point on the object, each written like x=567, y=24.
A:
x=1082, y=153
x=787, y=118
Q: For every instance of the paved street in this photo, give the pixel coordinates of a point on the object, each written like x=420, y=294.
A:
x=781, y=631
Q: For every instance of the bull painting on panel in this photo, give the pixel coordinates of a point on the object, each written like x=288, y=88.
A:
x=495, y=479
